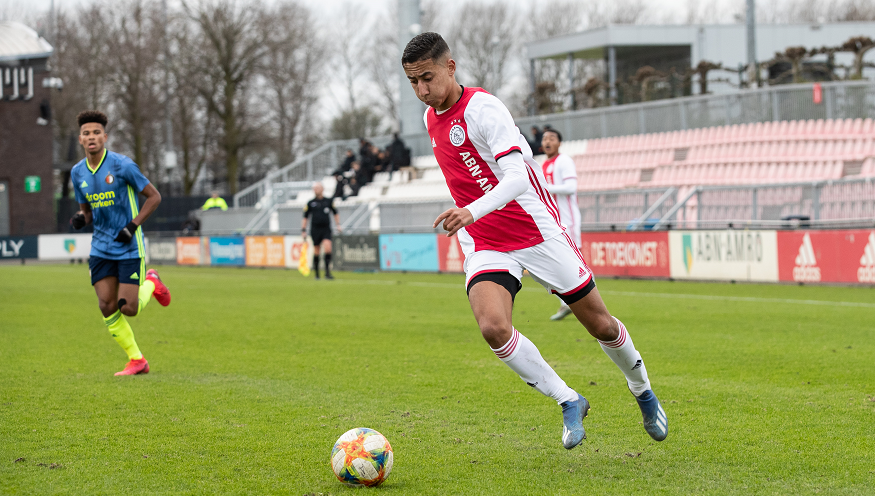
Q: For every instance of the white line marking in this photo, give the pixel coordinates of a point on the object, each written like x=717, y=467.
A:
x=634, y=294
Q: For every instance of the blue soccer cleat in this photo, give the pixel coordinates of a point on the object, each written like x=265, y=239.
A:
x=655, y=421
x=573, y=413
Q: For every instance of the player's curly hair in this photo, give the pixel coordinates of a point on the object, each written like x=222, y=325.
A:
x=425, y=46
x=87, y=116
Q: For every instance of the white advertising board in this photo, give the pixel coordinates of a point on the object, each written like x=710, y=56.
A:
x=724, y=255
x=292, y=248
x=64, y=246
x=161, y=250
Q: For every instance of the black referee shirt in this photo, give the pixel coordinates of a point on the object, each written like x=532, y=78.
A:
x=320, y=212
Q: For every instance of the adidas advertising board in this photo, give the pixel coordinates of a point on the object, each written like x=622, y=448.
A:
x=64, y=246
x=450, y=255
x=827, y=256
x=633, y=254
x=724, y=255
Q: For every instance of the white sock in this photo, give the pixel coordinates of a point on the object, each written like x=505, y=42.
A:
x=624, y=354
x=523, y=357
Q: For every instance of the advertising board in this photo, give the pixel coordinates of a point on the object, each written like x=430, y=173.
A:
x=64, y=246
x=724, y=255
x=161, y=250
x=450, y=255
x=19, y=247
x=292, y=248
x=630, y=254
x=827, y=256
x=189, y=251
x=227, y=251
x=356, y=252
x=265, y=251
x=413, y=252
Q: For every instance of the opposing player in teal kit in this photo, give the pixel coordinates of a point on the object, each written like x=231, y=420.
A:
x=106, y=186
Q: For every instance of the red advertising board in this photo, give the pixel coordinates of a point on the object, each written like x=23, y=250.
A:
x=827, y=256
x=450, y=256
x=629, y=254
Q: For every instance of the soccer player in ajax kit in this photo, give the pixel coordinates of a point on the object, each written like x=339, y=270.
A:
x=106, y=186
x=507, y=222
x=561, y=182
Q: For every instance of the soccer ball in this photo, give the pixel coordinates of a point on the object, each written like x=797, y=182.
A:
x=361, y=457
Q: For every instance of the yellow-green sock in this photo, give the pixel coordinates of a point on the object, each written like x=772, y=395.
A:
x=145, y=295
x=123, y=334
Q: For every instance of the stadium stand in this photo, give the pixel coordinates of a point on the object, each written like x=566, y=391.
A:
x=758, y=153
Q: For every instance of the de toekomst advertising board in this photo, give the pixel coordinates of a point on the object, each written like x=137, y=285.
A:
x=631, y=254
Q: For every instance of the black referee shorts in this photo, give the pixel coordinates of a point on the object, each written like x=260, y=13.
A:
x=320, y=234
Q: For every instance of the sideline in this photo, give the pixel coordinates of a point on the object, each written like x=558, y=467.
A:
x=635, y=294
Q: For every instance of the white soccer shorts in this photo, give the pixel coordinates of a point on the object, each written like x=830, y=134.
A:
x=555, y=263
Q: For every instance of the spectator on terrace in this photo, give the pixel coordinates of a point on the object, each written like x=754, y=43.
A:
x=215, y=201
x=399, y=155
x=356, y=178
x=535, y=143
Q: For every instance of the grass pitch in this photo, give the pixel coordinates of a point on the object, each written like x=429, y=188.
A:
x=255, y=373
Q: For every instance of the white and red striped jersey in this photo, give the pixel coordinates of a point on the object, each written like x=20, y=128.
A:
x=468, y=139
x=561, y=171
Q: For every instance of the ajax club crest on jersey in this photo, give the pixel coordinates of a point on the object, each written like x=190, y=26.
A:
x=457, y=135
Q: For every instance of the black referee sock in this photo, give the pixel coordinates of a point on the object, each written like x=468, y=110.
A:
x=327, y=264
x=316, y=264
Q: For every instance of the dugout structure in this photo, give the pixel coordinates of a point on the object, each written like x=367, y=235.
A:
x=26, y=183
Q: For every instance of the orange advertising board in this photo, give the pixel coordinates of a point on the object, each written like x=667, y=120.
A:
x=188, y=250
x=265, y=251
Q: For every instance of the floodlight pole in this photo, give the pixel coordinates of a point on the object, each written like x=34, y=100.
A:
x=752, y=42
x=410, y=109
x=169, y=153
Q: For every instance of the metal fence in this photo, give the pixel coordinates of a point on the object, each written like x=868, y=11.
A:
x=828, y=204
x=839, y=100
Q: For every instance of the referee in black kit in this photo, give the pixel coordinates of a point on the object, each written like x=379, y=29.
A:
x=320, y=208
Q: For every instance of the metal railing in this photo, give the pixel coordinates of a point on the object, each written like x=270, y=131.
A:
x=624, y=209
x=839, y=100
x=840, y=203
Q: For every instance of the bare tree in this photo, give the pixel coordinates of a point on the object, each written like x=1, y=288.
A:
x=292, y=69
x=383, y=60
x=133, y=65
x=600, y=14
x=233, y=45
x=349, y=47
x=485, y=41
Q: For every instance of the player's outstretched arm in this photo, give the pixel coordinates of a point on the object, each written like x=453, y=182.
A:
x=568, y=187
x=514, y=183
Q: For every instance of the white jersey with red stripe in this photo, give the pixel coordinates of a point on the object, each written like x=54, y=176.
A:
x=559, y=170
x=468, y=139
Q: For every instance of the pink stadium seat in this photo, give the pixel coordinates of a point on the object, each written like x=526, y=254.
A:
x=858, y=126
x=867, y=127
x=868, y=169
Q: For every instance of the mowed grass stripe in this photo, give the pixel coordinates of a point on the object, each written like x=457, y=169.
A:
x=751, y=299
x=255, y=373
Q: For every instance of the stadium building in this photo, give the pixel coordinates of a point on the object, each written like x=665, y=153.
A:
x=25, y=134
x=627, y=48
